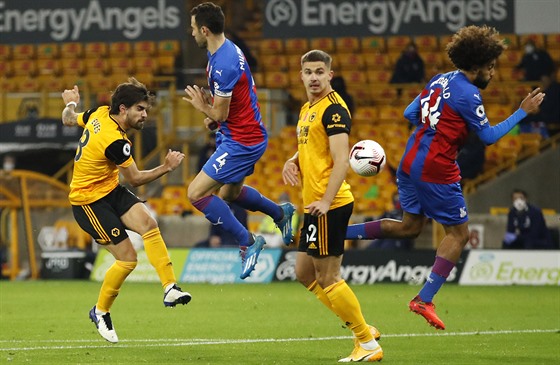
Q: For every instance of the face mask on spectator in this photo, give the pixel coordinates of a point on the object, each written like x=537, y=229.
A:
x=520, y=204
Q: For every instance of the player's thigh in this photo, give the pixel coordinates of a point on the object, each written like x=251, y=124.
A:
x=202, y=186
x=101, y=222
x=443, y=202
x=408, y=194
x=124, y=251
x=139, y=219
x=305, y=271
x=325, y=235
x=327, y=269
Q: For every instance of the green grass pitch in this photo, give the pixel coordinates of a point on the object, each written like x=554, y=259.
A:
x=46, y=322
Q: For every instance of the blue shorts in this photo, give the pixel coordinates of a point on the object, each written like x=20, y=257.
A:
x=232, y=161
x=442, y=202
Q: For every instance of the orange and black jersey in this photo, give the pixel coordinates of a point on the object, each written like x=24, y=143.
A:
x=326, y=117
x=102, y=147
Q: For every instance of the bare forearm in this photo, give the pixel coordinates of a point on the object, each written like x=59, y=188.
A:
x=146, y=176
x=69, y=116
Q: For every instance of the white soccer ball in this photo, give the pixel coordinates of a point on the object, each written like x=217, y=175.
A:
x=367, y=158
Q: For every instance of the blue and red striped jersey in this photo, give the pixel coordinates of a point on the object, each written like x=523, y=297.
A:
x=229, y=76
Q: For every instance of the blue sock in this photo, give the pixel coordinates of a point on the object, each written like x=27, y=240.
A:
x=355, y=231
x=218, y=212
x=431, y=287
x=252, y=200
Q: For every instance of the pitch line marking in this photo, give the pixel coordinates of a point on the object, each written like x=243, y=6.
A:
x=175, y=342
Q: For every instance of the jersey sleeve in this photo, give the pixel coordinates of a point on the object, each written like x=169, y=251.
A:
x=224, y=81
x=470, y=107
x=336, y=119
x=119, y=152
x=83, y=118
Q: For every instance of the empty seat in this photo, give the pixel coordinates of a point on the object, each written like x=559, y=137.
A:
x=273, y=63
x=347, y=44
x=168, y=48
x=427, y=43
x=511, y=40
x=5, y=52
x=397, y=42
x=97, y=66
x=350, y=61
x=373, y=44
x=538, y=39
x=553, y=41
x=96, y=49
x=24, y=51
x=48, y=50
x=73, y=66
x=378, y=61
x=120, y=49
x=71, y=50
x=49, y=66
x=144, y=48
x=510, y=58
x=271, y=46
x=24, y=68
x=323, y=43
x=379, y=76
x=276, y=80
x=296, y=46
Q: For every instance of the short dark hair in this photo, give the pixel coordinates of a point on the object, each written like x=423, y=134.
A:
x=475, y=46
x=130, y=93
x=316, y=55
x=519, y=191
x=209, y=15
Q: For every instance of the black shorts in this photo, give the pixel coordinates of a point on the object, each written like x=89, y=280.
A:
x=102, y=218
x=325, y=235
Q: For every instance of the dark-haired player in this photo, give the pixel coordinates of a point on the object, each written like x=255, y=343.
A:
x=104, y=208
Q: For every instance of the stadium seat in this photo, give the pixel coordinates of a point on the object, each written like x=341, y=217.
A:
x=494, y=94
x=530, y=142
x=294, y=78
x=347, y=45
x=361, y=93
x=5, y=52
x=120, y=49
x=366, y=113
x=443, y=41
x=71, y=50
x=323, y=43
x=350, y=61
x=378, y=61
x=433, y=60
x=509, y=74
x=509, y=146
x=73, y=66
x=259, y=78
x=379, y=76
x=6, y=68
x=166, y=64
x=294, y=63
x=24, y=51
x=146, y=65
x=384, y=94
x=296, y=46
x=397, y=43
x=273, y=63
x=390, y=114
x=48, y=50
x=298, y=93
x=373, y=44
x=409, y=92
x=144, y=48
x=276, y=80
x=27, y=84
x=122, y=65
x=24, y=67
x=47, y=66
x=509, y=58
x=96, y=49
x=552, y=41
x=354, y=77
x=97, y=66
x=168, y=48
x=271, y=46
x=426, y=43
x=517, y=91
x=497, y=113
x=511, y=40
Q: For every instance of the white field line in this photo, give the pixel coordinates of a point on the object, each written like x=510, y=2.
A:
x=176, y=342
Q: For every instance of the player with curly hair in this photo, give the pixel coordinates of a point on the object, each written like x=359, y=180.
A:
x=428, y=176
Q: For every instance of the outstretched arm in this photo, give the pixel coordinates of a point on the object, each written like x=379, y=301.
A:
x=140, y=177
x=71, y=100
x=529, y=105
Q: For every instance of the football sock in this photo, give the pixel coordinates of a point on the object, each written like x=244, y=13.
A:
x=316, y=289
x=346, y=306
x=440, y=272
x=252, y=200
x=159, y=257
x=361, y=231
x=218, y=212
x=114, y=278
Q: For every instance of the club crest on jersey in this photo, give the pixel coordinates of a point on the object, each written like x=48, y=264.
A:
x=115, y=232
x=312, y=117
x=126, y=149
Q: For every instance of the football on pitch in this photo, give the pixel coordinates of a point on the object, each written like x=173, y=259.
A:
x=367, y=158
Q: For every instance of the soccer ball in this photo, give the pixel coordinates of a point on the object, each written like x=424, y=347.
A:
x=367, y=158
